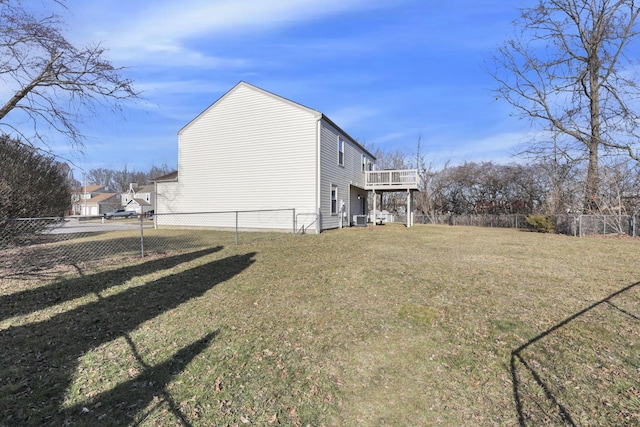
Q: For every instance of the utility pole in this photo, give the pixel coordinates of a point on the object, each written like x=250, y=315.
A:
x=85, y=193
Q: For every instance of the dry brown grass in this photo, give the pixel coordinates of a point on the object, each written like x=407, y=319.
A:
x=432, y=325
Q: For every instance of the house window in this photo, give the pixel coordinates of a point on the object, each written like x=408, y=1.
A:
x=334, y=199
x=364, y=163
x=340, y=151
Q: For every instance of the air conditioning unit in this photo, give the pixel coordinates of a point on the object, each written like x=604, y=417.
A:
x=360, y=220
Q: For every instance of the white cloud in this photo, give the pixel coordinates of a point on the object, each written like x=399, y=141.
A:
x=171, y=20
x=160, y=33
x=390, y=137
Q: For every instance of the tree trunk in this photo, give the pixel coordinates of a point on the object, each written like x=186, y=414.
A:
x=593, y=180
x=593, y=143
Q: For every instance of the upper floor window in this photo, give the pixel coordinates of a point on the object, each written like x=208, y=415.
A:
x=340, y=151
x=364, y=163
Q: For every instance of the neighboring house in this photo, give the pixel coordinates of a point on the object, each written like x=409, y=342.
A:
x=139, y=198
x=252, y=150
x=93, y=200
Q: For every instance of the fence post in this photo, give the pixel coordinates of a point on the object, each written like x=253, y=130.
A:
x=580, y=226
x=294, y=222
x=236, y=227
x=141, y=235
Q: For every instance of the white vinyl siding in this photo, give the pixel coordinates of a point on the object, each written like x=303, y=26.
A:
x=167, y=199
x=249, y=151
x=252, y=150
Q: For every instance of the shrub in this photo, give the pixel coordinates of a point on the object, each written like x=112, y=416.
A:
x=539, y=223
x=32, y=185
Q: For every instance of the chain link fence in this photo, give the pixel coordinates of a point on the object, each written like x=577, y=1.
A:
x=42, y=245
x=500, y=221
x=603, y=225
x=571, y=225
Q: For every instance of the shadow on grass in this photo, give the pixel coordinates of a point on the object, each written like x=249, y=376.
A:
x=36, y=260
x=541, y=402
x=58, y=292
x=124, y=402
x=39, y=359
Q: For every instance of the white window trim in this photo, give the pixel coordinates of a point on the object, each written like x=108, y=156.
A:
x=341, y=151
x=331, y=205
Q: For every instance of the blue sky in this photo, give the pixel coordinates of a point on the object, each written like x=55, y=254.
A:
x=385, y=71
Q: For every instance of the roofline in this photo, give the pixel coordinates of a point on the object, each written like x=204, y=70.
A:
x=332, y=123
x=163, y=179
x=316, y=113
x=256, y=88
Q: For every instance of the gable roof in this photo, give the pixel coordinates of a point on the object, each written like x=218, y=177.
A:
x=242, y=84
x=88, y=189
x=148, y=188
x=139, y=202
x=171, y=176
x=101, y=197
x=316, y=113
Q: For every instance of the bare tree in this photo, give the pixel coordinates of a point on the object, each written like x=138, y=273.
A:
x=52, y=81
x=122, y=178
x=488, y=188
x=158, y=171
x=423, y=198
x=119, y=180
x=66, y=170
x=394, y=202
x=568, y=69
x=102, y=176
x=620, y=189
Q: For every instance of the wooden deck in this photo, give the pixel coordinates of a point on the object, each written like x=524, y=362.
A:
x=392, y=180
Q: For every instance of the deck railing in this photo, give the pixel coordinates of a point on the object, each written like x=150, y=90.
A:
x=401, y=179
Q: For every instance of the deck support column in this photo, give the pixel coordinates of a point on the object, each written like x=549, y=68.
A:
x=409, y=222
x=375, y=201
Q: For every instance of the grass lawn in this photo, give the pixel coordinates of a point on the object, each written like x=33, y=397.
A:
x=432, y=325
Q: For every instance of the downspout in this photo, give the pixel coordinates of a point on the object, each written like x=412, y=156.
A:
x=318, y=180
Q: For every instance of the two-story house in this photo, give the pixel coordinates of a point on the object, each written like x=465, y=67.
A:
x=138, y=199
x=93, y=200
x=252, y=150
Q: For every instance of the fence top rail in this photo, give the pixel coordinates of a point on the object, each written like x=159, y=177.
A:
x=48, y=218
x=225, y=212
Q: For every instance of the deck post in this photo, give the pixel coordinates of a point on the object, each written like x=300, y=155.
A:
x=408, y=208
x=375, y=201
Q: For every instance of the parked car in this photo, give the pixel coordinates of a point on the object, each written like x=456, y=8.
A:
x=120, y=213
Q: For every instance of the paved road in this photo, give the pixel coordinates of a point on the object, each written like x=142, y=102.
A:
x=73, y=225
